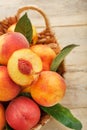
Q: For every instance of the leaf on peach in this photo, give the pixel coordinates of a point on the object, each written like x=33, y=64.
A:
x=24, y=26
x=61, y=56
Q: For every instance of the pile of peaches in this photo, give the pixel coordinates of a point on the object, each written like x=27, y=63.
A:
x=26, y=68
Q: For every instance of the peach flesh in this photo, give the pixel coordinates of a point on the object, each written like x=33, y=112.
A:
x=2, y=117
x=8, y=89
x=23, y=66
x=9, y=43
x=48, y=89
x=22, y=113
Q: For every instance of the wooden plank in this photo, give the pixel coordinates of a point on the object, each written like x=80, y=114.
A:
x=65, y=13
x=61, y=8
x=76, y=65
x=76, y=90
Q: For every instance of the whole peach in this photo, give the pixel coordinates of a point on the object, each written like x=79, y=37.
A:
x=22, y=113
x=8, y=89
x=10, y=42
x=2, y=117
x=45, y=53
x=48, y=89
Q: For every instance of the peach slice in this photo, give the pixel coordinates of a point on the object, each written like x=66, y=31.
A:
x=23, y=65
x=48, y=89
x=45, y=53
x=2, y=117
x=8, y=89
x=9, y=43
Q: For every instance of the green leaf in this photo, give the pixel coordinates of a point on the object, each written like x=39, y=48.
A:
x=24, y=26
x=60, y=57
x=63, y=115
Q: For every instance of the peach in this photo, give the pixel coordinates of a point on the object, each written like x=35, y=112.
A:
x=48, y=89
x=8, y=89
x=11, y=28
x=23, y=65
x=22, y=113
x=2, y=117
x=34, y=37
x=27, y=89
x=10, y=42
x=45, y=53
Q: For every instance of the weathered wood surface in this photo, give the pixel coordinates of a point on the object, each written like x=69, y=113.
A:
x=68, y=19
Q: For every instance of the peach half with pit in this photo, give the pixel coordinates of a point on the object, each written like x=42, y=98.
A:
x=45, y=53
x=9, y=43
x=2, y=117
x=48, y=89
x=23, y=66
x=8, y=89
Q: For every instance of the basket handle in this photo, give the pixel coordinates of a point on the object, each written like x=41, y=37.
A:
x=36, y=9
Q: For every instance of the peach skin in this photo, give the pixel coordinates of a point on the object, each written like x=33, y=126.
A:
x=11, y=28
x=35, y=35
x=48, y=89
x=2, y=117
x=9, y=43
x=45, y=53
x=27, y=89
x=23, y=66
x=8, y=89
x=22, y=113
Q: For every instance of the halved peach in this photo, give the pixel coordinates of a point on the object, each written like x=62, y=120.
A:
x=23, y=65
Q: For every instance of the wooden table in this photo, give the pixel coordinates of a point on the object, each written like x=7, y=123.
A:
x=68, y=19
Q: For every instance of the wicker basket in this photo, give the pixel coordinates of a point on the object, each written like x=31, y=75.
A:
x=44, y=37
